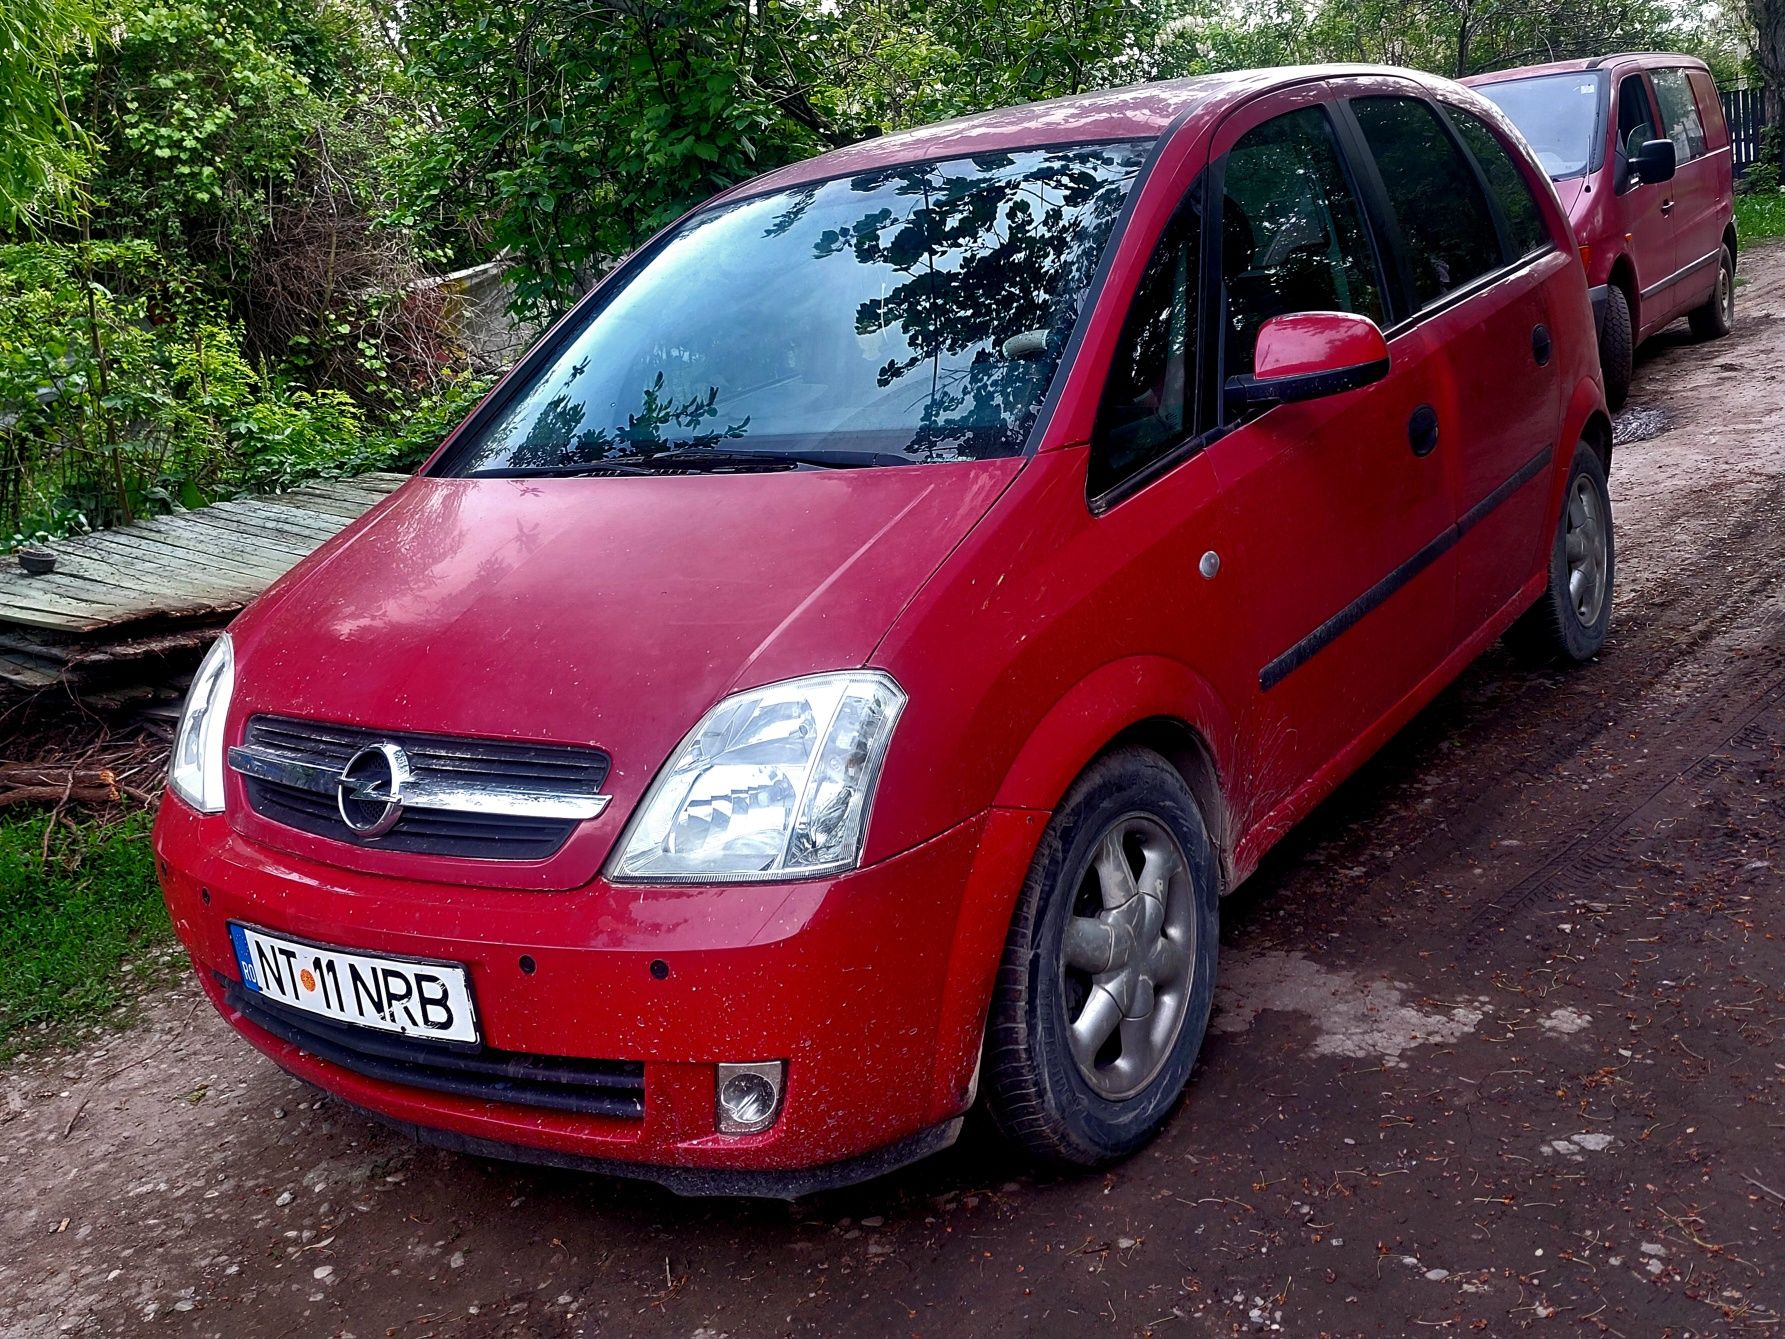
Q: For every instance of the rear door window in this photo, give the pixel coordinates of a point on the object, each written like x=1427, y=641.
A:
x=1446, y=225
x=1524, y=220
x=1292, y=234
x=1679, y=114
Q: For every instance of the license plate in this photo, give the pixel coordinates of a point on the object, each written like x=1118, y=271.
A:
x=414, y=998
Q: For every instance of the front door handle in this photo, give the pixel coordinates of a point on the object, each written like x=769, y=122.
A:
x=1667, y=206
x=1422, y=430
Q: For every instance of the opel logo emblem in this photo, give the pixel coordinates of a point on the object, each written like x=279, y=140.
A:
x=370, y=791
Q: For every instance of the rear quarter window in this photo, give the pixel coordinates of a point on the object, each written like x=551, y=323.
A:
x=1710, y=108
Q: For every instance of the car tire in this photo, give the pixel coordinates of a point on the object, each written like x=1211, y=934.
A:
x=1617, y=348
x=1716, y=317
x=1050, y=1087
x=1570, y=620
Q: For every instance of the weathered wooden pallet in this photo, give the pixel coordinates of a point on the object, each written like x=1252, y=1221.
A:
x=158, y=588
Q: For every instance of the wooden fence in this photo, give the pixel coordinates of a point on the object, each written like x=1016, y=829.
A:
x=1742, y=109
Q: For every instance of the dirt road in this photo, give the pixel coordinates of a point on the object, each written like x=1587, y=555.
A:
x=1500, y=1046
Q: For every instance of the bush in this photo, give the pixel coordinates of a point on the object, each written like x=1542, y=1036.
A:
x=1762, y=175
x=124, y=392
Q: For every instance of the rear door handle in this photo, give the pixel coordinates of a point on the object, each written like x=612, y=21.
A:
x=1422, y=430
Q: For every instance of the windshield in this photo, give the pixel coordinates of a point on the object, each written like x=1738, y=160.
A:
x=1558, y=114
x=914, y=313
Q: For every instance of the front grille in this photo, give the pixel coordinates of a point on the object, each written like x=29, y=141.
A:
x=590, y=1087
x=543, y=768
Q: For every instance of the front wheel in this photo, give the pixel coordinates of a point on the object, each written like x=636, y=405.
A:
x=1717, y=317
x=1617, y=348
x=1570, y=619
x=1109, y=971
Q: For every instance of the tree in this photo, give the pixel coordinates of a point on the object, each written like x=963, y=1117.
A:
x=41, y=154
x=568, y=130
x=1768, y=18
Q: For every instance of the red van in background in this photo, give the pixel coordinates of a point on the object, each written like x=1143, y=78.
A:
x=1639, y=153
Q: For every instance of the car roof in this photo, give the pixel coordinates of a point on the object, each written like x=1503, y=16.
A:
x=1644, y=59
x=1137, y=112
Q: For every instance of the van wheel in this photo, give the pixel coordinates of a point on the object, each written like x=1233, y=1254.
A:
x=1717, y=317
x=1569, y=621
x=1617, y=348
x=1109, y=972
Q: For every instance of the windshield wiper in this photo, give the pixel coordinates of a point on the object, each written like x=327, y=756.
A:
x=697, y=458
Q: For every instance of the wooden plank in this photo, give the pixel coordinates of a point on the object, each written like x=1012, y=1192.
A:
x=256, y=537
x=327, y=506
x=22, y=673
x=209, y=561
x=280, y=508
x=177, y=566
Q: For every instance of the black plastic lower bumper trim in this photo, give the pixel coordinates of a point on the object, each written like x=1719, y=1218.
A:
x=697, y=1181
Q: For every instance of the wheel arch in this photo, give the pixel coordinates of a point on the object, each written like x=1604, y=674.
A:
x=1623, y=277
x=1152, y=701
x=1597, y=433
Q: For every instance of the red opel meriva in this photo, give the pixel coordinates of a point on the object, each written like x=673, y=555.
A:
x=836, y=674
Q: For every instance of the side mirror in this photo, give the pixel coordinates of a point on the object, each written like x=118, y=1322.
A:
x=1307, y=355
x=1654, y=162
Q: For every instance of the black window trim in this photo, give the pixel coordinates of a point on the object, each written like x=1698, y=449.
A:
x=1508, y=243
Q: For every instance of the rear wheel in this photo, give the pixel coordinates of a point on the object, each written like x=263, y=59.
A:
x=1717, y=317
x=1617, y=348
x=1570, y=620
x=1109, y=971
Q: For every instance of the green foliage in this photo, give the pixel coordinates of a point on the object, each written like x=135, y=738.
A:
x=41, y=157
x=569, y=131
x=1762, y=175
x=133, y=395
x=1758, y=217
x=70, y=925
x=199, y=116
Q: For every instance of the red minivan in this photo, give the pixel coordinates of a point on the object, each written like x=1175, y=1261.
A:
x=1639, y=152
x=832, y=679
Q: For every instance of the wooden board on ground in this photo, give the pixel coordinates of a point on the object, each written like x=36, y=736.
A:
x=140, y=592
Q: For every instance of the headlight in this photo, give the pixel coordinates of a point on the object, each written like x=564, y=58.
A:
x=196, y=772
x=775, y=783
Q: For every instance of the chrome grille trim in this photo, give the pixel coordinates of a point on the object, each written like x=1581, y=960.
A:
x=423, y=793
x=468, y=798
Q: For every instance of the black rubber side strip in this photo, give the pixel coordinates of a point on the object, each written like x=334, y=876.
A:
x=1323, y=636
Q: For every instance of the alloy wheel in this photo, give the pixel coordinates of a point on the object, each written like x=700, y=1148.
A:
x=1585, y=548
x=1128, y=958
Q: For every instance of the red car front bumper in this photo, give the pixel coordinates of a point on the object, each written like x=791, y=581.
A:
x=872, y=987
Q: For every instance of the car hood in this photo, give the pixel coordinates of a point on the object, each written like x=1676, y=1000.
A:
x=1569, y=192
x=602, y=611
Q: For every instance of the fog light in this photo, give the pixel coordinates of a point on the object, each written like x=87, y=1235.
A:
x=749, y=1097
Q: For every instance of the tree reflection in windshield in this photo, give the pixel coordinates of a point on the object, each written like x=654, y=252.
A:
x=919, y=309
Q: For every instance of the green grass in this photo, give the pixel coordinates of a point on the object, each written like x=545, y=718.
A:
x=70, y=927
x=1760, y=216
